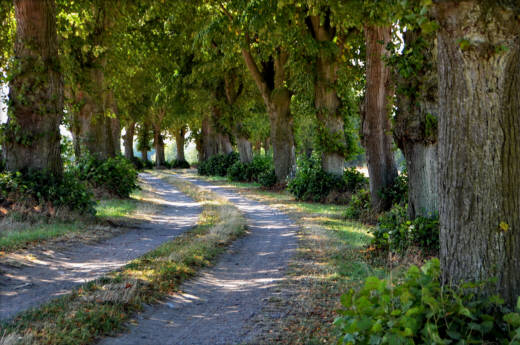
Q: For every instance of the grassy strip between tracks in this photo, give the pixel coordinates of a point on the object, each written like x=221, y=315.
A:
x=102, y=307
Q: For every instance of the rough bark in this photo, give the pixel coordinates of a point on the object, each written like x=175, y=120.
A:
x=326, y=100
x=158, y=143
x=128, y=140
x=277, y=99
x=267, y=144
x=376, y=135
x=415, y=127
x=36, y=91
x=224, y=144
x=179, y=142
x=479, y=144
x=144, y=154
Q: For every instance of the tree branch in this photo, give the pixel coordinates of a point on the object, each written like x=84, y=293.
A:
x=254, y=70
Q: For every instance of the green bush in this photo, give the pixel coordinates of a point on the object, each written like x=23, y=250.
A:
x=397, y=233
x=240, y=172
x=420, y=310
x=116, y=175
x=311, y=183
x=37, y=187
x=359, y=207
x=180, y=164
x=354, y=180
x=397, y=194
x=250, y=172
x=267, y=179
x=217, y=165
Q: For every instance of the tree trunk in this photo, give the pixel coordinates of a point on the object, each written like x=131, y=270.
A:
x=36, y=91
x=94, y=127
x=158, y=143
x=128, y=140
x=282, y=135
x=225, y=146
x=277, y=99
x=376, y=137
x=415, y=127
x=144, y=154
x=327, y=103
x=179, y=142
x=209, y=139
x=114, y=134
x=479, y=144
x=267, y=144
x=245, y=150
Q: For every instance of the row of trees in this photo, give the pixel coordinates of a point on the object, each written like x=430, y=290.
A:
x=438, y=78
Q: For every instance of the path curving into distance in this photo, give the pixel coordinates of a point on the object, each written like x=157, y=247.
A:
x=53, y=273
x=216, y=307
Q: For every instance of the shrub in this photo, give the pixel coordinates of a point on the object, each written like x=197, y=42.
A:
x=217, y=165
x=354, y=180
x=138, y=163
x=267, y=179
x=240, y=172
x=420, y=310
x=2, y=163
x=312, y=183
x=34, y=187
x=250, y=172
x=359, y=207
x=180, y=164
x=398, y=192
x=116, y=175
x=396, y=232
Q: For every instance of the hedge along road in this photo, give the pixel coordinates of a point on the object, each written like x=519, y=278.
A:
x=217, y=307
x=53, y=273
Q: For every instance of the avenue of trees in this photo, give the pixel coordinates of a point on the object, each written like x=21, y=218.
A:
x=439, y=80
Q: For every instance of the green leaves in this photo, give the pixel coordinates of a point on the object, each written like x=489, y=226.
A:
x=417, y=309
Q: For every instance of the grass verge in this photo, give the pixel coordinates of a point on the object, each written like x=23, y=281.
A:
x=329, y=261
x=101, y=307
x=17, y=233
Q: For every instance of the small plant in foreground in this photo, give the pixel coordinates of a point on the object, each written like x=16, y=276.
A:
x=267, y=179
x=359, y=207
x=420, y=310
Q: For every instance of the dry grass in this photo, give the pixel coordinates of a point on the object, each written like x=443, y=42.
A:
x=103, y=306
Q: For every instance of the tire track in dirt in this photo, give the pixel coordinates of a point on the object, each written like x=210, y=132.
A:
x=50, y=273
x=218, y=306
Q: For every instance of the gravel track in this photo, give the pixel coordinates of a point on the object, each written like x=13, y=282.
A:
x=52, y=273
x=218, y=306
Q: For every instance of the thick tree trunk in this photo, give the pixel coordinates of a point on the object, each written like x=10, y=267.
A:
x=144, y=154
x=114, y=134
x=479, y=144
x=179, y=142
x=209, y=139
x=95, y=133
x=128, y=140
x=36, y=91
x=277, y=99
x=415, y=129
x=158, y=143
x=245, y=150
x=282, y=135
x=225, y=146
x=327, y=102
x=376, y=136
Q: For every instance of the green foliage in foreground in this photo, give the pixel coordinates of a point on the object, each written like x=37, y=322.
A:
x=419, y=310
